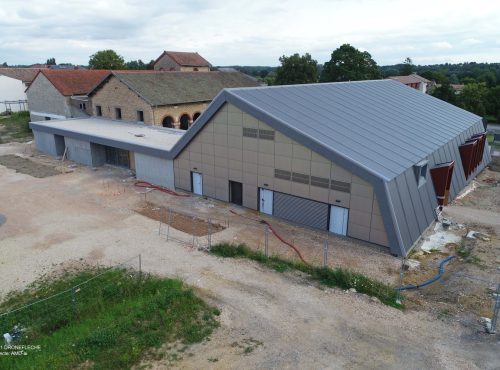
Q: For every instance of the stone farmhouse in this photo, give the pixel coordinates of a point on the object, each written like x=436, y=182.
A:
x=181, y=62
x=168, y=99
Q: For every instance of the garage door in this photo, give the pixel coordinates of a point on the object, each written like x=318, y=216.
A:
x=300, y=210
x=117, y=157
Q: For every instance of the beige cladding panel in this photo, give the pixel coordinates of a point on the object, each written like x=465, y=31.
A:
x=253, y=161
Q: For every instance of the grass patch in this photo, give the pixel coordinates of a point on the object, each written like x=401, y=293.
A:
x=15, y=127
x=490, y=138
x=112, y=322
x=338, y=277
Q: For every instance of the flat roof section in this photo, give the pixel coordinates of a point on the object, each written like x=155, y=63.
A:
x=151, y=140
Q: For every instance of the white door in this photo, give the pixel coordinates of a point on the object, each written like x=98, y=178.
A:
x=338, y=220
x=197, y=179
x=266, y=201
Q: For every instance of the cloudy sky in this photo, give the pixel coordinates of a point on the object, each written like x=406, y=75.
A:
x=250, y=32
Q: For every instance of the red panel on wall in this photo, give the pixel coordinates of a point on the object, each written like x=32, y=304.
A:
x=466, y=154
x=441, y=178
x=482, y=144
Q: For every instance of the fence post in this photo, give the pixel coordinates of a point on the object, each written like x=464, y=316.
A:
x=493, y=326
x=140, y=267
x=209, y=233
x=325, y=253
x=401, y=276
x=266, y=243
x=73, y=300
x=168, y=223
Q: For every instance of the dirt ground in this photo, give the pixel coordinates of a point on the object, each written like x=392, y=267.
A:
x=268, y=319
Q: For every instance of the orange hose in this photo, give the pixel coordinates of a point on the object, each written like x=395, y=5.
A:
x=275, y=234
x=145, y=184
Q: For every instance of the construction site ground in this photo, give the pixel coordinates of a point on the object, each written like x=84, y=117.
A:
x=268, y=319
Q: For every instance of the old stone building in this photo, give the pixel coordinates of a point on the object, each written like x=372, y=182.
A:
x=168, y=99
x=181, y=61
x=60, y=94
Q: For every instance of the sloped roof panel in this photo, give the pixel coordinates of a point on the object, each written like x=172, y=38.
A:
x=381, y=125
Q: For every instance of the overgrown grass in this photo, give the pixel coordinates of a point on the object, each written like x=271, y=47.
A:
x=338, y=277
x=490, y=138
x=15, y=127
x=111, y=322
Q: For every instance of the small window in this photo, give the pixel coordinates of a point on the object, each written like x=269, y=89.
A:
x=266, y=134
x=282, y=174
x=420, y=170
x=47, y=118
x=195, y=69
x=98, y=110
x=118, y=113
x=140, y=116
x=320, y=182
x=300, y=178
x=250, y=132
x=83, y=106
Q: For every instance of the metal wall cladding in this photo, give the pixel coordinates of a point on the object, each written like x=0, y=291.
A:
x=302, y=211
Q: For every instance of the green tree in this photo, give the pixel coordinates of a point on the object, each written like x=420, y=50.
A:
x=445, y=92
x=4, y=64
x=136, y=64
x=473, y=98
x=106, y=59
x=350, y=64
x=407, y=67
x=51, y=62
x=296, y=69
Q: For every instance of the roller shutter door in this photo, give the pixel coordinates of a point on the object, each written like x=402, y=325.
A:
x=302, y=211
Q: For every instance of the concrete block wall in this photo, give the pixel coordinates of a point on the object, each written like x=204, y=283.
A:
x=45, y=142
x=221, y=153
x=79, y=151
x=155, y=170
x=43, y=97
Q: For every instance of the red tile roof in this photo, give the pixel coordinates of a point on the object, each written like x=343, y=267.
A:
x=186, y=58
x=75, y=81
x=25, y=75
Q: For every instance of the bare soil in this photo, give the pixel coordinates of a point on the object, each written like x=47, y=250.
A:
x=187, y=223
x=28, y=167
x=88, y=217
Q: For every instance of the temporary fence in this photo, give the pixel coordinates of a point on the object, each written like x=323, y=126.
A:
x=13, y=106
x=47, y=314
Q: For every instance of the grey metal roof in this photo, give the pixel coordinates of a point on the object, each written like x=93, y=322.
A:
x=151, y=140
x=168, y=88
x=381, y=125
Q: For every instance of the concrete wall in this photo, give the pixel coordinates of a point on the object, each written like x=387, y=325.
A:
x=11, y=90
x=46, y=101
x=155, y=170
x=45, y=142
x=79, y=151
x=221, y=153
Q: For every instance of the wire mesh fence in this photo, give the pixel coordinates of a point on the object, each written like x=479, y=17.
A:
x=26, y=318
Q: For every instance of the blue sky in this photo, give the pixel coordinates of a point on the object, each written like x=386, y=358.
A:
x=252, y=32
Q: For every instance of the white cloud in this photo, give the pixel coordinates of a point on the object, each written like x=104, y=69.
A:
x=442, y=45
x=251, y=32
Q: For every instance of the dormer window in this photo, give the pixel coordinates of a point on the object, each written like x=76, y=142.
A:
x=420, y=170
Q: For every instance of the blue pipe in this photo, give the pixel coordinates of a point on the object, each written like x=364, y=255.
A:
x=430, y=281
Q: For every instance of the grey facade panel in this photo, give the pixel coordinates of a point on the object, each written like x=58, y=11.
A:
x=300, y=210
x=79, y=151
x=45, y=142
x=155, y=170
x=98, y=153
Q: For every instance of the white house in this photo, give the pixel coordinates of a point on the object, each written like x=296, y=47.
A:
x=13, y=84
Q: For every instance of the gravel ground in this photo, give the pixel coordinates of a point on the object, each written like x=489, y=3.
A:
x=84, y=217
